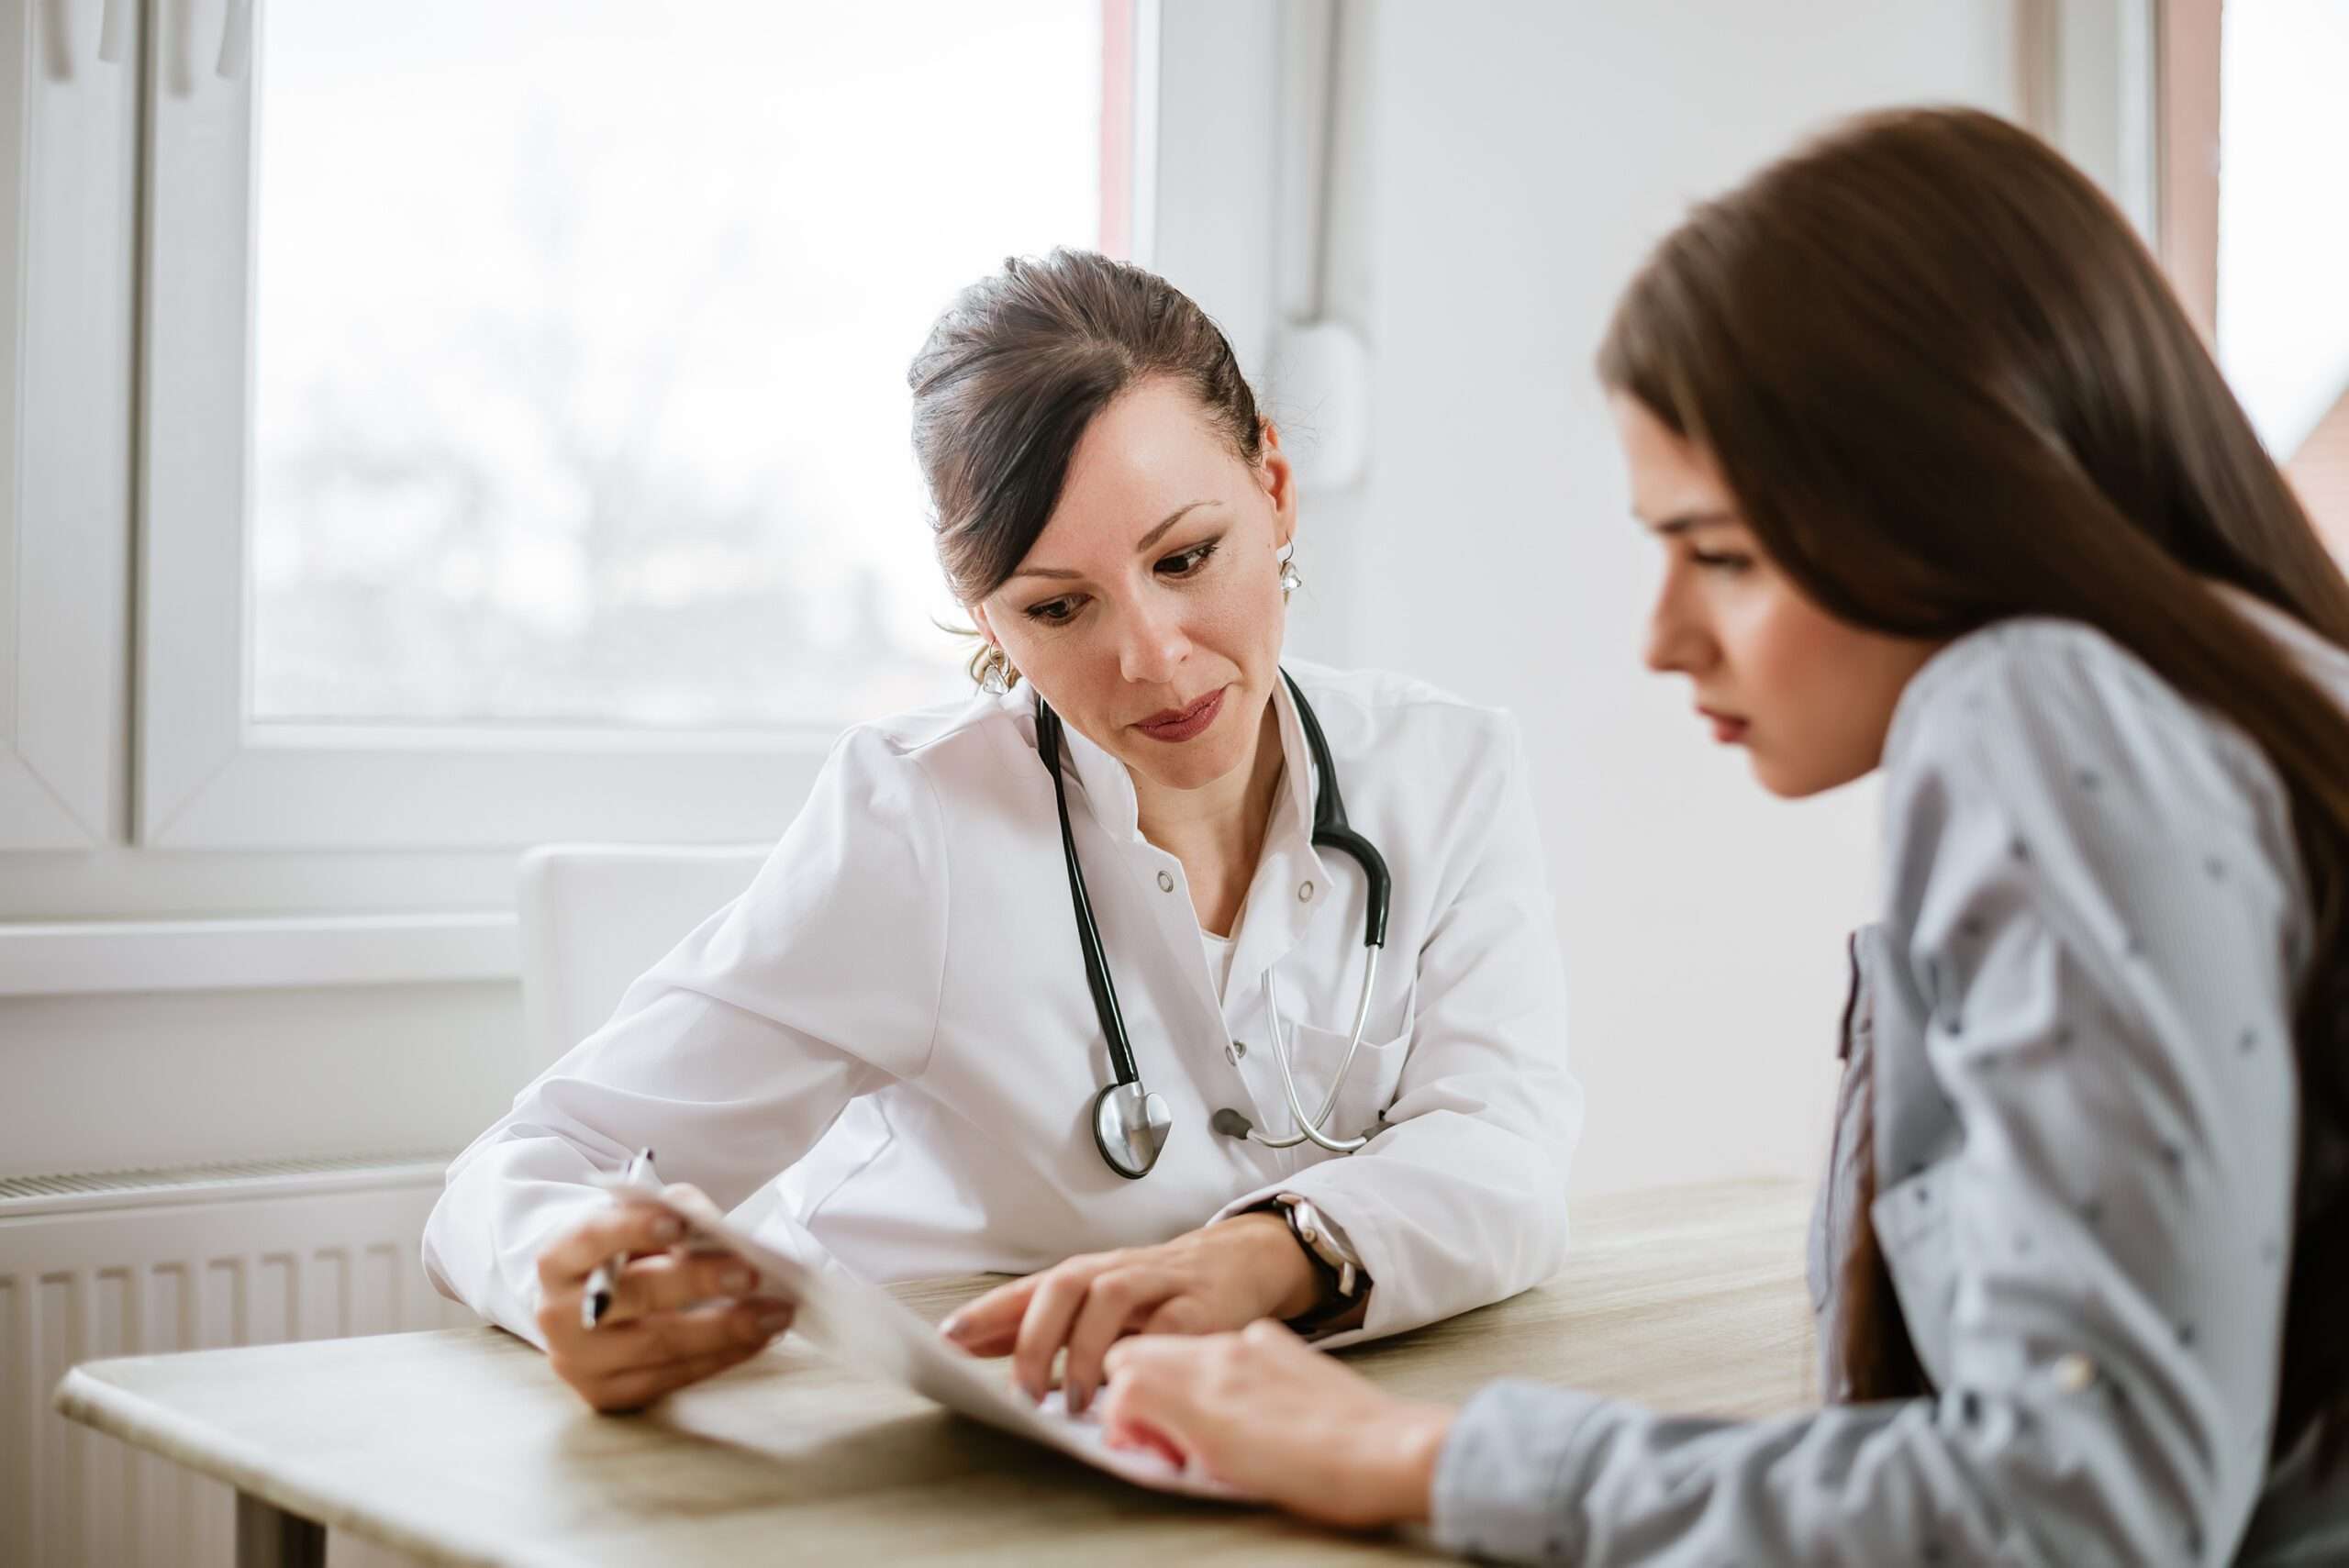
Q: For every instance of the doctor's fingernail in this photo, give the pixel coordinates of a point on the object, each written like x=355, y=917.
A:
x=735, y=1281
x=668, y=1228
x=775, y=1322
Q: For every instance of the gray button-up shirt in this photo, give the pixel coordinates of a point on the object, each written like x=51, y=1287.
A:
x=2075, y=1028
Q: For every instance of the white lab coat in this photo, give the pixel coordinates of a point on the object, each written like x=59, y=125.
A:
x=894, y=1019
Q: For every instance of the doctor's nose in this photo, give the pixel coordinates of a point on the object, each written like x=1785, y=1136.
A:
x=1151, y=647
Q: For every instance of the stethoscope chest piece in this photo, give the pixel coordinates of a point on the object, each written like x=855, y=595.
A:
x=1130, y=1123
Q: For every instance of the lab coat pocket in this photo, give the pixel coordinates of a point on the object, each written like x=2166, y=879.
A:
x=1367, y=1088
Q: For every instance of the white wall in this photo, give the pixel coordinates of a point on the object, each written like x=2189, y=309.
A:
x=1520, y=157
x=106, y=1083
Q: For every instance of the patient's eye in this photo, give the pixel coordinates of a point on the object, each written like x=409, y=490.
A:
x=1056, y=612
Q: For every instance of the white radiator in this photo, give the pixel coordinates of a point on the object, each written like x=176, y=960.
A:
x=143, y=1263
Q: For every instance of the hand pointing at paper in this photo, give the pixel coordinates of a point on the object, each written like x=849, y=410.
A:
x=1220, y=1277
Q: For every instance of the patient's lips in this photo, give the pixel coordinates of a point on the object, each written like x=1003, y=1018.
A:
x=1728, y=728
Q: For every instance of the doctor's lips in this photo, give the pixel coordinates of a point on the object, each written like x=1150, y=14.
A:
x=1727, y=729
x=1183, y=723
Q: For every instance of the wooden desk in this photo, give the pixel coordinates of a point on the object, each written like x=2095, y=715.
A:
x=459, y=1446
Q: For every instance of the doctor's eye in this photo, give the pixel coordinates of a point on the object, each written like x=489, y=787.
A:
x=1186, y=563
x=1726, y=562
x=1054, y=612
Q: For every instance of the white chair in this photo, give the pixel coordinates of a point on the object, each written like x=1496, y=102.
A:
x=594, y=916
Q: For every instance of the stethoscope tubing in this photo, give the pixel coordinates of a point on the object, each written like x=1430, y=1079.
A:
x=1311, y=1129
x=1096, y=964
x=1330, y=831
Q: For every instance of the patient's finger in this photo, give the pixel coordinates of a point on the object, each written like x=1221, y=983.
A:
x=1146, y=1404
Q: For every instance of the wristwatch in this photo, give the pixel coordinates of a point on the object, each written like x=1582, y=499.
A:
x=1344, y=1284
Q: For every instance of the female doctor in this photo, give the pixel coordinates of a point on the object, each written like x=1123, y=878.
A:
x=1213, y=991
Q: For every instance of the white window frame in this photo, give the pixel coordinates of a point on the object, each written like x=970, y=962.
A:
x=68, y=228
x=2087, y=80
x=1206, y=106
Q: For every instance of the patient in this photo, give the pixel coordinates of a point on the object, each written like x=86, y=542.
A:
x=1947, y=485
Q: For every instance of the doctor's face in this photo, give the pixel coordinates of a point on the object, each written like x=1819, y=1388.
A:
x=1148, y=611
x=1809, y=696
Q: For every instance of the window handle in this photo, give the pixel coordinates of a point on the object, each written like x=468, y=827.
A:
x=55, y=28
x=236, y=41
x=111, y=27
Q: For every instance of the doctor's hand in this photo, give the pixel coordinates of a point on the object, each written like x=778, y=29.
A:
x=1264, y=1411
x=1218, y=1278
x=676, y=1318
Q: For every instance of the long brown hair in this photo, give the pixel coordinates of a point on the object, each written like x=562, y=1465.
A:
x=1948, y=386
x=1014, y=371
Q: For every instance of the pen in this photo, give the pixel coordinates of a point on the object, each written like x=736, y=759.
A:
x=598, y=1299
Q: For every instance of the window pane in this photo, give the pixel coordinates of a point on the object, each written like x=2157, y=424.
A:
x=2284, y=238
x=583, y=330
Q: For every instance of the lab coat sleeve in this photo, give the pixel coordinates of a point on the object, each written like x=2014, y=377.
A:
x=1461, y=1200
x=735, y=1052
x=2104, y=966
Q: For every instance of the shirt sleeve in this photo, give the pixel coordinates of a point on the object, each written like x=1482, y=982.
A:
x=735, y=1053
x=1461, y=1199
x=2097, y=922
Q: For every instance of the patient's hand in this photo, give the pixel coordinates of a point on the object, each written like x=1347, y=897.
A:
x=1219, y=1277
x=1266, y=1413
x=676, y=1318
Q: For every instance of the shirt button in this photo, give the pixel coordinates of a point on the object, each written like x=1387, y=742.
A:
x=1235, y=1050
x=1165, y=883
x=2074, y=1372
x=1304, y=893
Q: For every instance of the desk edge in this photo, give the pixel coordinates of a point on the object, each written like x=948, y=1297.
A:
x=104, y=1407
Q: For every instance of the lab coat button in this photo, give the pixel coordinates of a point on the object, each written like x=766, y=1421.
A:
x=1235, y=1050
x=1304, y=893
x=1165, y=883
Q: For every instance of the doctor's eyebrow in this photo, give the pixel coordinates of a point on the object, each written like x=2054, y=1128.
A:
x=1689, y=522
x=1147, y=541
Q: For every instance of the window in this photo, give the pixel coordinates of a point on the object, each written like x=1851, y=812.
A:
x=2283, y=238
x=580, y=395
x=525, y=451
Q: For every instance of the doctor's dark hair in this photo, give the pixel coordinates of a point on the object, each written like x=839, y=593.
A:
x=1947, y=385
x=1017, y=367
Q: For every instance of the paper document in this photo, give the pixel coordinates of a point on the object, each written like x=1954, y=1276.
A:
x=864, y=1327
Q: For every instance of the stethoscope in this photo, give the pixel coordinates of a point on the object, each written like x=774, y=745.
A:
x=1130, y=1123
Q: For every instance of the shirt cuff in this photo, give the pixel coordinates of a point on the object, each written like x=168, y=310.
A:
x=1499, y=1480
